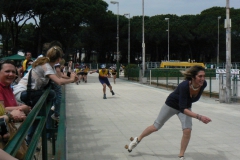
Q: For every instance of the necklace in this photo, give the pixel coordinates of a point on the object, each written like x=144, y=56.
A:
x=195, y=89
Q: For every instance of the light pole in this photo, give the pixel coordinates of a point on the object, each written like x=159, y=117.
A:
x=218, y=43
x=228, y=53
x=128, y=36
x=116, y=2
x=143, y=43
x=167, y=19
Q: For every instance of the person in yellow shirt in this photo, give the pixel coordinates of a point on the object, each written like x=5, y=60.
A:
x=85, y=73
x=28, y=56
x=104, y=74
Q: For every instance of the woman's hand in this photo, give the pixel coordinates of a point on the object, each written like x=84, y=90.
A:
x=205, y=119
x=18, y=115
x=26, y=109
x=73, y=76
x=202, y=118
x=76, y=79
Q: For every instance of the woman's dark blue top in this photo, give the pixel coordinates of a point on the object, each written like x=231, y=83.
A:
x=180, y=98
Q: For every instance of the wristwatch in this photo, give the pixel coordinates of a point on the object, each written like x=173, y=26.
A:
x=10, y=117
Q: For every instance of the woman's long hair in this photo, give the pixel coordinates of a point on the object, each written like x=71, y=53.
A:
x=191, y=72
x=52, y=55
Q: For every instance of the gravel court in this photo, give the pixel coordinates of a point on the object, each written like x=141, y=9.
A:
x=98, y=129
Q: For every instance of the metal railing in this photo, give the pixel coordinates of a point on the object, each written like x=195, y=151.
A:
x=40, y=113
x=170, y=78
x=61, y=140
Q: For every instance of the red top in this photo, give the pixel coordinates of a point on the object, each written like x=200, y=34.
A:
x=6, y=95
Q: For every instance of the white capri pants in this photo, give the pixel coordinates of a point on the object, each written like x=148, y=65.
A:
x=167, y=112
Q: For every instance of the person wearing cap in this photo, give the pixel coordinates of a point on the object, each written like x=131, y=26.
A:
x=104, y=74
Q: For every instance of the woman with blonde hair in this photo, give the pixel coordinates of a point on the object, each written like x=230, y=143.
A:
x=42, y=72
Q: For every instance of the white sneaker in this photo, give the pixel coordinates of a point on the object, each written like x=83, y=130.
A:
x=133, y=144
x=52, y=108
x=55, y=118
x=181, y=158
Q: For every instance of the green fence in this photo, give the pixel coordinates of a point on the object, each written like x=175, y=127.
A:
x=167, y=77
x=39, y=113
x=61, y=140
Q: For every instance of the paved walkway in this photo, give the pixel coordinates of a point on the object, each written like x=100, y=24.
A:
x=98, y=129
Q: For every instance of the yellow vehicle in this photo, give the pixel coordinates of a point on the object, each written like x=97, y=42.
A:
x=180, y=64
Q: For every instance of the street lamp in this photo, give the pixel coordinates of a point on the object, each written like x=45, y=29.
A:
x=167, y=19
x=218, y=43
x=228, y=53
x=116, y=2
x=128, y=36
x=143, y=43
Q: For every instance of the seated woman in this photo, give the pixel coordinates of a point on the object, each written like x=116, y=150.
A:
x=7, y=99
x=10, y=111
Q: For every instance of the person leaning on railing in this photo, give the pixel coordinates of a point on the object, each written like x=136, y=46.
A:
x=42, y=72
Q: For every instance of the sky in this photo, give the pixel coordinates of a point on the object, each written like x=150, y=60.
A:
x=158, y=7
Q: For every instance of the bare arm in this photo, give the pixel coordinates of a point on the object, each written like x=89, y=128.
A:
x=26, y=109
x=94, y=71
x=202, y=118
x=65, y=76
x=5, y=155
x=61, y=81
x=59, y=73
x=15, y=115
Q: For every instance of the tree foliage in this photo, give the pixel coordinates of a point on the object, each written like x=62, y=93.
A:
x=79, y=24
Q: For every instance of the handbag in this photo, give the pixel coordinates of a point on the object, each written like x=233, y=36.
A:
x=12, y=130
x=31, y=96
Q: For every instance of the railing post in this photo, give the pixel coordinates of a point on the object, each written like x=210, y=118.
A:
x=150, y=77
x=210, y=86
x=44, y=139
x=167, y=79
x=178, y=80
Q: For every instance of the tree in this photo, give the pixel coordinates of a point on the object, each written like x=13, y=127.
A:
x=16, y=13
